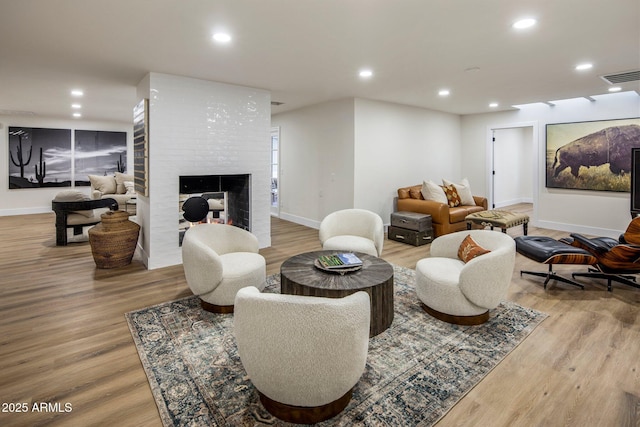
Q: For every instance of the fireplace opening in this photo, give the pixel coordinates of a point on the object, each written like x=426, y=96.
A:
x=229, y=198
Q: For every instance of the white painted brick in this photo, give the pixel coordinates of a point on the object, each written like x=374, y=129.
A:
x=200, y=127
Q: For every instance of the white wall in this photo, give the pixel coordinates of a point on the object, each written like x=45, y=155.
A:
x=397, y=146
x=357, y=153
x=590, y=212
x=38, y=200
x=200, y=127
x=316, y=161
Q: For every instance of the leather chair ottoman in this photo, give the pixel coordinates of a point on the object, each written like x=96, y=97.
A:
x=547, y=250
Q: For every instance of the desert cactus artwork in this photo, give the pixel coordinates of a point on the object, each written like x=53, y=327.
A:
x=19, y=160
x=120, y=164
x=43, y=169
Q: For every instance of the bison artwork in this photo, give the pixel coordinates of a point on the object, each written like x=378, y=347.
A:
x=611, y=145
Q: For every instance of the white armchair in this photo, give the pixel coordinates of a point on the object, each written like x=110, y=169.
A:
x=463, y=293
x=303, y=354
x=218, y=260
x=356, y=230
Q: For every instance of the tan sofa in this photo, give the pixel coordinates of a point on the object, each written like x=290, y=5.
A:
x=445, y=220
x=118, y=187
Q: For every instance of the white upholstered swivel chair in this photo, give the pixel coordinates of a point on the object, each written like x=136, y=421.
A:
x=354, y=230
x=464, y=293
x=303, y=354
x=219, y=260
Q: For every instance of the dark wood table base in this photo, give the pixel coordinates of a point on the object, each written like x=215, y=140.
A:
x=304, y=414
x=298, y=276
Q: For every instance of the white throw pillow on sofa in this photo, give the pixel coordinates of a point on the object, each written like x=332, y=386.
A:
x=464, y=191
x=130, y=188
x=104, y=184
x=121, y=178
x=432, y=191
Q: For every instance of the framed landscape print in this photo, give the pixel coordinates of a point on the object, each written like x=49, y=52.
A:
x=591, y=155
x=98, y=153
x=39, y=157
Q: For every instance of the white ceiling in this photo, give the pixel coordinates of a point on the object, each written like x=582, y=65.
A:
x=310, y=51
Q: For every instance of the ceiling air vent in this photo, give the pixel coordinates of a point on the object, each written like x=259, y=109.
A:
x=617, y=78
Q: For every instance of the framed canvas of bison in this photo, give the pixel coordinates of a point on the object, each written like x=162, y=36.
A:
x=591, y=155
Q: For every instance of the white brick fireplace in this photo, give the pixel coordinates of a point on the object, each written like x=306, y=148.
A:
x=198, y=127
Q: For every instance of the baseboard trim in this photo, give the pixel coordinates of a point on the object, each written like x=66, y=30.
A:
x=580, y=229
x=300, y=220
x=25, y=211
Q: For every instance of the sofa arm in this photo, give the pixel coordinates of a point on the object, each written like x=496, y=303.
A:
x=96, y=194
x=481, y=201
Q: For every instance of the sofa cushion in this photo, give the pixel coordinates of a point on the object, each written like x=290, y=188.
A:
x=457, y=214
x=104, y=184
x=469, y=249
x=432, y=191
x=452, y=195
x=120, y=180
x=70, y=196
x=464, y=191
x=74, y=196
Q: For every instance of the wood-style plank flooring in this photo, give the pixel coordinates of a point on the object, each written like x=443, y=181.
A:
x=64, y=338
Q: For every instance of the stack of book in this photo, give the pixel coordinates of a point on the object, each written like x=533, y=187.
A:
x=338, y=261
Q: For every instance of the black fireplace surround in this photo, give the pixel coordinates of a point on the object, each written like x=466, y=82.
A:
x=238, y=188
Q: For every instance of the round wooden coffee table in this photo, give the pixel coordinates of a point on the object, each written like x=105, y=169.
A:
x=299, y=276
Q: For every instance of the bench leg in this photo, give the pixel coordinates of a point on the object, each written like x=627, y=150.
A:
x=61, y=235
x=525, y=228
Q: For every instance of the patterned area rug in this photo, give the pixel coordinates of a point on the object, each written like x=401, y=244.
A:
x=416, y=370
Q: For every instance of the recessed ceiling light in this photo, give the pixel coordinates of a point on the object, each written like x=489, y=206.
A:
x=77, y=115
x=585, y=66
x=76, y=106
x=366, y=73
x=524, y=23
x=77, y=92
x=444, y=92
x=493, y=105
x=615, y=89
x=222, y=37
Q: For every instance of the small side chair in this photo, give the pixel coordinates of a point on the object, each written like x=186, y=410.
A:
x=75, y=210
x=219, y=260
x=353, y=230
x=463, y=293
x=303, y=354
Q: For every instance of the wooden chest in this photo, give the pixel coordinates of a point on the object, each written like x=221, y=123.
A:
x=411, y=221
x=412, y=237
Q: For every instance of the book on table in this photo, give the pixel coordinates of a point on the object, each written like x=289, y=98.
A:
x=342, y=260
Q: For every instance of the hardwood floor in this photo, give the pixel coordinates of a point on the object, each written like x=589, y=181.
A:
x=64, y=338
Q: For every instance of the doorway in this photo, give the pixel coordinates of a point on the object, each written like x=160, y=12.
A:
x=513, y=164
x=275, y=171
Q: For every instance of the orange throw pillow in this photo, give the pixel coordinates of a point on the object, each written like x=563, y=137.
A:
x=453, y=198
x=469, y=249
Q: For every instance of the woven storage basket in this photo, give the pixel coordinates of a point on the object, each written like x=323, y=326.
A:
x=113, y=241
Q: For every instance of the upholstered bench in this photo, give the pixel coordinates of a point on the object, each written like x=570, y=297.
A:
x=546, y=250
x=498, y=218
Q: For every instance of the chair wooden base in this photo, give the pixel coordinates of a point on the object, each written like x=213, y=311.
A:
x=213, y=308
x=304, y=414
x=457, y=320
